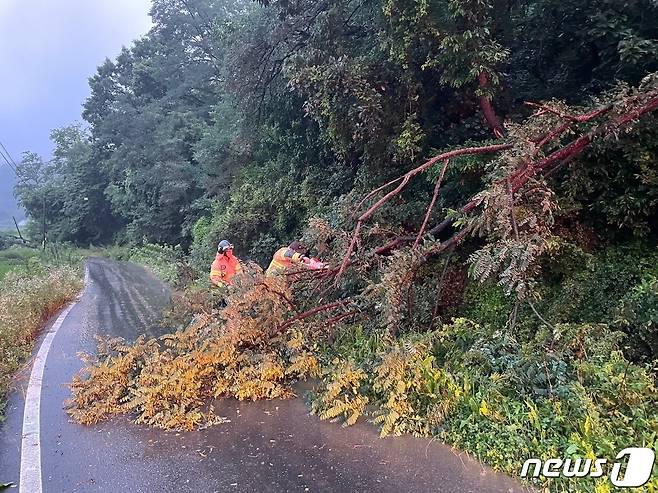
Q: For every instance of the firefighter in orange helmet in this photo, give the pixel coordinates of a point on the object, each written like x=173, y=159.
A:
x=225, y=266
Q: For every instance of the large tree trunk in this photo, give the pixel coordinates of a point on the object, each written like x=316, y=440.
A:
x=488, y=109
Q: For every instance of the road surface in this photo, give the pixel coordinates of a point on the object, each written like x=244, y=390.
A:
x=267, y=446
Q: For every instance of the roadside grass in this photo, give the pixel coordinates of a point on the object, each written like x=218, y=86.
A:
x=502, y=400
x=17, y=257
x=115, y=252
x=33, y=286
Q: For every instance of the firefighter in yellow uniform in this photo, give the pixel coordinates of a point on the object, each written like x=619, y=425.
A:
x=291, y=256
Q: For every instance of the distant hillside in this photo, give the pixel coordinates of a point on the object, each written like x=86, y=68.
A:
x=8, y=205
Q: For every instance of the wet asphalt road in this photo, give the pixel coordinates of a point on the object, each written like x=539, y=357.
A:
x=267, y=446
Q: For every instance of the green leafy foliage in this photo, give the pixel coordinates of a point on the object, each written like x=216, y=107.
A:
x=554, y=35
x=567, y=392
x=619, y=182
x=166, y=262
x=638, y=315
x=66, y=195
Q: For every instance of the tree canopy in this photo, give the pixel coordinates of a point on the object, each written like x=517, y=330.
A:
x=244, y=119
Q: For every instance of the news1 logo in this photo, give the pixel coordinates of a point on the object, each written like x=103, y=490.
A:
x=638, y=461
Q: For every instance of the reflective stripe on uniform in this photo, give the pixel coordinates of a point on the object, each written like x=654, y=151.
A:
x=296, y=257
x=279, y=262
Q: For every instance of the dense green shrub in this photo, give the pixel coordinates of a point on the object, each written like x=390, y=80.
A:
x=614, y=285
x=487, y=304
x=637, y=315
x=591, y=293
x=566, y=393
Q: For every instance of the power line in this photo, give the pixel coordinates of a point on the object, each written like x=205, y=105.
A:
x=8, y=160
x=8, y=154
x=7, y=163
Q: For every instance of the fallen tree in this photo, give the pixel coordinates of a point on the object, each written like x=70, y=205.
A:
x=528, y=153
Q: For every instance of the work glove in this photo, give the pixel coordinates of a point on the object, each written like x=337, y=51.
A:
x=315, y=264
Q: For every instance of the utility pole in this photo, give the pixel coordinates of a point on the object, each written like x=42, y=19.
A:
x=44, y=222
x=18, y=229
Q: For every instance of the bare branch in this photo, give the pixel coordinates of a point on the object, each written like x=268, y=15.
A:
x=375, y=191
x=572, y=118
x=313, y=311
x=437, y=188
x=404, y=180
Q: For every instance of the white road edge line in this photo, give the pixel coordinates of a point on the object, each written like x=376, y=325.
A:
x=30, y=474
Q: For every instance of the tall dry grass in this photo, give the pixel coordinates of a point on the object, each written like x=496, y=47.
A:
x=27, y=301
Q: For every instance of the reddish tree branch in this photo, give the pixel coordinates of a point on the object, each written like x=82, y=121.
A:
x=375, y=191
x=516, y=179
x=404, y=180
x=549, y=136
x=437, y=187
x=567, y=116
x=334, y=320
x=280, y=295
x=544, y=139
x=350, y=249
x=521, y=177
x=313, y=311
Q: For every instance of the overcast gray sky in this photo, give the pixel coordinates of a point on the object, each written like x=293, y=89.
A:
x=48, y=50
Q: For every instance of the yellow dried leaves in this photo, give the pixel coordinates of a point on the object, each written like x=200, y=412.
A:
x=169, y=382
